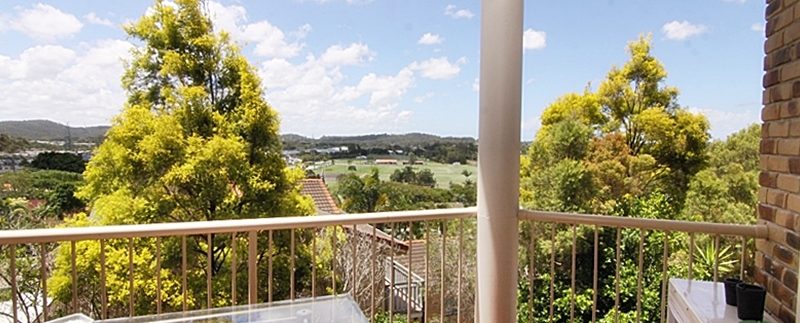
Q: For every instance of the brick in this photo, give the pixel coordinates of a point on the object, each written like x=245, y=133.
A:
x=766, y=212
x=794, y=128
x=773, y=42
x=785, y=219
x=760, y=277
x=792, y=32
x=778, y=163
x=768, y=179
x=792, y=203
x=772, y=77
x=779, y=128
x=771, y=112
x=780, y=57
x=790, y=280
x=772, y=304
x=784, y=255
x=768, y=146
x=772, y=8
x=789, y=147
x=792, y=70
x=789, y=110
x=762, y=194
x=786, y=314
x=776, y=198
x=793, y=240
x=777, y=234
x=781, y=292
x=788, y=183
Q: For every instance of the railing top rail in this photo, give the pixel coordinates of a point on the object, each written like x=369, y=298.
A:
x=223, y=226
x=755, y=231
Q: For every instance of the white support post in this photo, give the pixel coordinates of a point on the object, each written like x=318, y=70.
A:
x=498, y=159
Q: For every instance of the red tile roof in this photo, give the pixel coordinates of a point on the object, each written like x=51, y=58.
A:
x=318, y=191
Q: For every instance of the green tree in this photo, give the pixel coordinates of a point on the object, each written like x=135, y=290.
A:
x=67, y=162
x=196, y=140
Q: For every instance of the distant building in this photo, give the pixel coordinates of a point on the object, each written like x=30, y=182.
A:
x=386, y=162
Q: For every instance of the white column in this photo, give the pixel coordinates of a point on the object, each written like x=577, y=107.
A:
x=498, y=159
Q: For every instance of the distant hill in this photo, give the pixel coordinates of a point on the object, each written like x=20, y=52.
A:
x=49, y=130
x=376, y=140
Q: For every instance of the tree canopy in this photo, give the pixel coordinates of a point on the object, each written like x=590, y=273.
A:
x=195, y=140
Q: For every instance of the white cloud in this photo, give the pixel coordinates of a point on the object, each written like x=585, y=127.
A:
x=681, y=30
x=724, y=123
x=44, y=22
x=476, y=85
x=424, y=97
x=430, y=39
x=94, y=19
x=269, y=41
x=534, y=39
x=454, y=12
x=438, y=68
x=351, y=55
x=80, y=86
x=758, y=27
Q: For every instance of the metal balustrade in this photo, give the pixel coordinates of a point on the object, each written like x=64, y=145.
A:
x=437, y=287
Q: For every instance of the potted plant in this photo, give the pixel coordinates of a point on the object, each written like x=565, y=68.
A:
x=730, y=290
x=750, y=301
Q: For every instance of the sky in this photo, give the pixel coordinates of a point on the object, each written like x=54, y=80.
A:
x=346, y=67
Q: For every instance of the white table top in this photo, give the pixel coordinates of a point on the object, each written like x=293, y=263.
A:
x=702, y=301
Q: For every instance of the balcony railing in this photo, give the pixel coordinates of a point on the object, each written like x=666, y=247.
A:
x=334, y=254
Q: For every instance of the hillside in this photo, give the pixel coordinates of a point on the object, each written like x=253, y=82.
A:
x=374, y=141
x=49, y=130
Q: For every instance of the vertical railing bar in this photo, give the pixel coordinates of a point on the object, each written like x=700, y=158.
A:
x=354, y=285
x=572, y=274
x=43, y=272
x=443, y=291
x=209, y=257
x=742, y=258
x=103, y=291
x=158, y=275
x=664, y=281
x=372, y=274
x=74, y=279
x=594, y=273
x=532, y=265
x=552, y=269
x=252, y=267
x=427, y=268
x=691, y=255
x=234, y=265
x=130, y=277
x=12, y=257
x=716, y=257
x=408, y=274
x=639, y=277
x=292, y=265
x=184, y=286
x=460, y=265
x=391, y=275
x=270, y=251
x=314, y=263
x=333, y=260
x=616, y=275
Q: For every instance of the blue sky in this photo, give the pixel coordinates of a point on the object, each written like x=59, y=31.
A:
x=366, y=66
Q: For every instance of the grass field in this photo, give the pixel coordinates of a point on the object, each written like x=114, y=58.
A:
x=443, y=173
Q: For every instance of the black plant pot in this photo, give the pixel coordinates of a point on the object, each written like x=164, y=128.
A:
x=730, y=290
x=750, y=300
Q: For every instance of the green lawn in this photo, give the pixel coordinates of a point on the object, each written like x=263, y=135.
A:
x=443, y=173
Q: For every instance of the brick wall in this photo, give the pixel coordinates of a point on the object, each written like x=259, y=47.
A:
x=779, y=196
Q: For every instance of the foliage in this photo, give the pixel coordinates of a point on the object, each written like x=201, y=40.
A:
x=9, y=144
x=370, y=194
x=67, y=162
x=196, y=140
x=409, y=176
